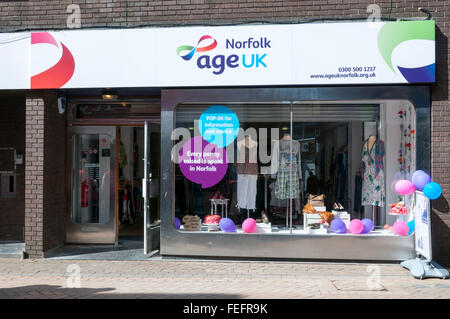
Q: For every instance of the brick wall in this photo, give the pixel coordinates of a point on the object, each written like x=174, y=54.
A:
x=45, y=207
x=54, y=175
x=122, y=13
x=24, y=15
x=12, y=134
x=34, y=176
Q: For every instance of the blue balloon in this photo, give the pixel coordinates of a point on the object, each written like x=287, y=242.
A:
x=176, y=223
x=338, y=226
x=411, y=226
x=432, y=190
x=227, y=225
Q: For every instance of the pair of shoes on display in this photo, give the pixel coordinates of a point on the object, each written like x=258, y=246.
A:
x=338, y=207
x=217, y=196
x=264, y=217
x=398, y=209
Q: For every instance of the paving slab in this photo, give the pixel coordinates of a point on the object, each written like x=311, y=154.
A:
x=159, y=278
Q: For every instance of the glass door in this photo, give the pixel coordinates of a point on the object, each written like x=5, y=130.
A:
x=151, y=187
x=92, y=213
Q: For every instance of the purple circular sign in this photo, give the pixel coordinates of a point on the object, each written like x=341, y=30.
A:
x=202, y=162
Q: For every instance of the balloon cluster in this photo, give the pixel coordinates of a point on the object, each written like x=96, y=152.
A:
x=356, y=226
x=420, y=181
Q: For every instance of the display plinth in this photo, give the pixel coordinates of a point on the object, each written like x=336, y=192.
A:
x=264, y=228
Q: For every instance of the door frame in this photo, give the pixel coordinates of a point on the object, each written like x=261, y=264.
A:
x=151, y=231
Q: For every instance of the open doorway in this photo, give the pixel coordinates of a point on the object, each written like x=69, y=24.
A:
x=131, y=172
x=130, y=175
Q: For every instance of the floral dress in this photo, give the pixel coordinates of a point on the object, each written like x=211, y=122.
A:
x=373, y=189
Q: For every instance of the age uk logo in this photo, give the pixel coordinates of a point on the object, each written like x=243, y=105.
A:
x=220, y=62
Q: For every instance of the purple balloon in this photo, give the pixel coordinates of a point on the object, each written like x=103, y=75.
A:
x=368, y=226
x=176, y=223
x=227, y=225
x=202, y=162
x=338, y=226
x=420, y=179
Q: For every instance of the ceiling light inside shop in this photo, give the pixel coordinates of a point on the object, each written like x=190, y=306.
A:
x=109, y=95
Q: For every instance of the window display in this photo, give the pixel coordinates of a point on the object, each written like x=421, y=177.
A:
x=290, y=168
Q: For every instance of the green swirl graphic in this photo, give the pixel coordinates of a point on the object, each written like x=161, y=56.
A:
x=392, y=34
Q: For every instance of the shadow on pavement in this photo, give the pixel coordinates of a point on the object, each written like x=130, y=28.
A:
x=128, y=248
x=59, y=292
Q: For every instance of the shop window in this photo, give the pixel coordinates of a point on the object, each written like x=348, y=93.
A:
x=290, y=167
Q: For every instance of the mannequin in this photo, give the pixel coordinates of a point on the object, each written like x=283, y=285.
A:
x=370, y=142
x=286, y=169
x=288, y=178
x=247, y=174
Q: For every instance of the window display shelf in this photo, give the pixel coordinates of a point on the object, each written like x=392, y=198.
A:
x=298, y=231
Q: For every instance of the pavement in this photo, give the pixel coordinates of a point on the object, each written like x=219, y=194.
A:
x=192, y=279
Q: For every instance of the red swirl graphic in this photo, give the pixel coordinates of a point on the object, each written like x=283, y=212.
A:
x=60, y=73
x=208, y=47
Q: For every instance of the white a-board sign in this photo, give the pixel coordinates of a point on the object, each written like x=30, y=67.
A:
x=423, y=266
x=422, y=217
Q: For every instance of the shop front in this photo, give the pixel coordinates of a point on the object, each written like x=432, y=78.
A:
x=270, y=141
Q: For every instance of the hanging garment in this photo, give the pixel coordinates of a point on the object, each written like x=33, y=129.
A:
x=122, y=156
x=373, y=188
x=247, y=160
x=246, y=191
x=287, y=185
x=126, y=206
x=286, y=167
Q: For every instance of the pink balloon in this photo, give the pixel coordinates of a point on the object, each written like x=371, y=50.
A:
x=404, y=187
x=249, y=225
x=401, y=228
x=356, y=226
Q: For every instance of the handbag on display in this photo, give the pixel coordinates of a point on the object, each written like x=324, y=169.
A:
x=316, y=200
x=192, y=223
